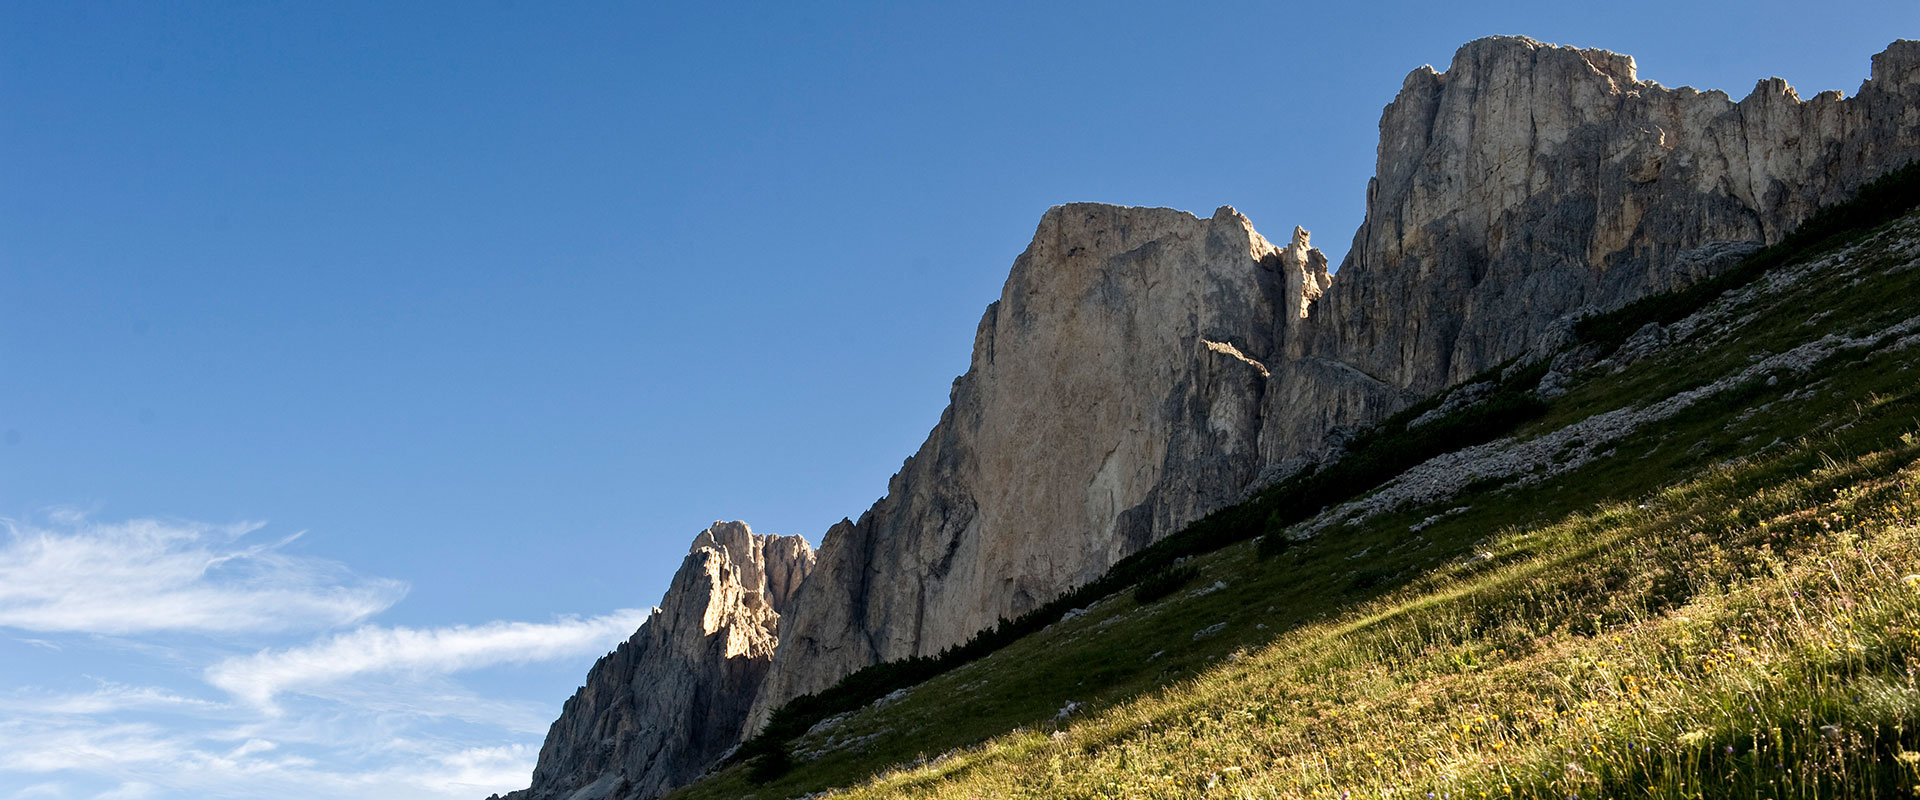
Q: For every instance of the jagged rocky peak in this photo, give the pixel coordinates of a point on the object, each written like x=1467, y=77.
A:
x=1899, y=64
x=1307, y=277
x=666, y=704
x=775, y=564
x=1531, y=181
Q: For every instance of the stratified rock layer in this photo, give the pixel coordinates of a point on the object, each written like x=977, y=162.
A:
x=1144, y=367
x=665, y=705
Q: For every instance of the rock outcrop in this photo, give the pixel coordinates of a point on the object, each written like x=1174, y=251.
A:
x=1529, y=181
x=1144, y=366
x=1115, y=394
x=669, y=702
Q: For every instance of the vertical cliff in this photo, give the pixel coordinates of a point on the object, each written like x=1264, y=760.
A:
x=1145, y=366
x=1118, y=390
x=1530, y=181
x=1114, y=394
x=666, y=704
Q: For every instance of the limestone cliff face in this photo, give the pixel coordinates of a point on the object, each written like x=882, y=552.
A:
x=1143, y=367
x=1115, y=394
x=1529, y=181
x=665, y=705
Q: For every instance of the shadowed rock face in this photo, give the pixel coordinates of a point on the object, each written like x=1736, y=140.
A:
x=1530, y=181
x=665, y=705
x=1144, y=367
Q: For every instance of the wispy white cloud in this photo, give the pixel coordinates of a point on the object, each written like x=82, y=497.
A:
x=151, y=575
x=333, y=708
x=147, y=761
x=96, y=748
x=476, y=771
x=41, y=791
x=110, y=697
x=258, y=678
x=251, y=746
x=131, y=790
x=416, y=698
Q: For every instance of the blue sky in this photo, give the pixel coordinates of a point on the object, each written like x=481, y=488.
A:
x=370, y=367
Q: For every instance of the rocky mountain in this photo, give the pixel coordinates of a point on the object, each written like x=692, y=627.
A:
x=1640, y=580
x=1144, y=366
x=668, y=702
x=1529, y=182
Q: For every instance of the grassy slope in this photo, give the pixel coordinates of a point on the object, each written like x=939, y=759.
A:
x=1723, y=580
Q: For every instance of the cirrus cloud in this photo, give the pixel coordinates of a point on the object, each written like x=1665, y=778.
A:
x=149, y=575
x=238, y=668
x=257, y=678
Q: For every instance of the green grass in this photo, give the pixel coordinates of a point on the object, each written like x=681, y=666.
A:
x=1788, y=320
x=1580, y=636
x=1749, y=634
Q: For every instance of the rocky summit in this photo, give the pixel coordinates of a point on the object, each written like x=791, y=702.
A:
x=1144, y=367
x=1115, y=393
x=1529, y=182
x=670, y=701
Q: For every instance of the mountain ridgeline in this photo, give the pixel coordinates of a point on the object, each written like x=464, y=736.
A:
x=1144, y=368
